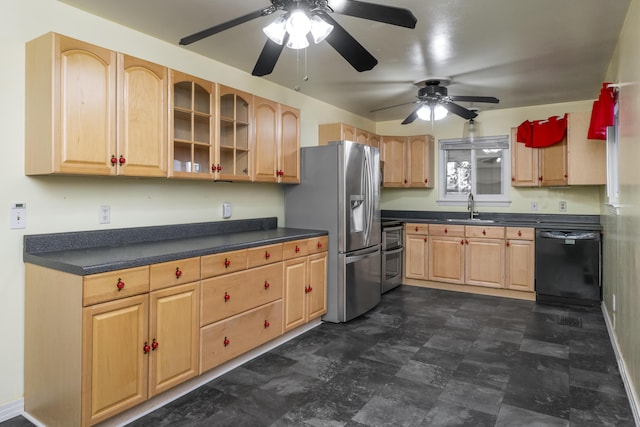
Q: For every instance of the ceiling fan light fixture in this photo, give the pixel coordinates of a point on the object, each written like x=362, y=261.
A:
x=276, y=30
x=424, y=113
x=320, y=29
x=298, y=23
x=297, y=41
x=439, y=112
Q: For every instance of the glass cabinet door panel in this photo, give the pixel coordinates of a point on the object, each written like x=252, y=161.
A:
x=201, y=159
x=242, y=163
x=182, y=95
x=182, y=125
x=227, y=106
x=201, y=126
x=181, y=156
x=227, y=161
x=242, y=136
x=202, y=100
x=242, y=110
x=226, y=133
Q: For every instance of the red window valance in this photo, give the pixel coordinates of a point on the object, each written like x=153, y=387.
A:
x=542, y=133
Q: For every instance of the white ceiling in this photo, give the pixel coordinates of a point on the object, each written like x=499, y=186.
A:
x=524, y=52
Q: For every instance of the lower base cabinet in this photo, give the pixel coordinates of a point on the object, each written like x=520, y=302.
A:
x=305, y=289
x=98, y=345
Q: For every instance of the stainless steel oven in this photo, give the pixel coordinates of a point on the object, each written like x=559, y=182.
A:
x=392, y=250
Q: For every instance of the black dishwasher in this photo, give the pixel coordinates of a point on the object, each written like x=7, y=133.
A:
x=568, y=266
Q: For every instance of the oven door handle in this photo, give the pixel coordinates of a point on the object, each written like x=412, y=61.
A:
x=393, y=251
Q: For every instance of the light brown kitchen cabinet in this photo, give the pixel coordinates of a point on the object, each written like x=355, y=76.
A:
x=233, y=156
x=416, y=243
x=446, y=253
x=408, y=161
x=484, y=256
x=193, y=144
x=373, y=140
x=575, y=160
x=92, y=111
x=305, y=278
x=277, y=142
x=70, y=107
x=520, y=259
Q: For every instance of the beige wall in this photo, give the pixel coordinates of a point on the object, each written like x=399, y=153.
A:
x=580, y=200
x=71, y=203
x=622, y=232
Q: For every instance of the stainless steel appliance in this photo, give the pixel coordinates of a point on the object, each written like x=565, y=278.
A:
x=340, y=192
x=392, y=248
x=568, y=266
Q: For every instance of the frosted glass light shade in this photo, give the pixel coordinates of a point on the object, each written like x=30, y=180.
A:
x=439, y=112
x=298, y=23
x=297, y=41
x=276, y=30
x=320, y=29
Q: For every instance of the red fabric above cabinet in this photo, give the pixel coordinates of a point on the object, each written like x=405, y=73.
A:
x=542, y=133
x=602, y=113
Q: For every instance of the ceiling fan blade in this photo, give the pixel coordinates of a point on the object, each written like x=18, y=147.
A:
x=348, y=47
x=221, y=27
x=489, y=99
x=376, y=12
x=459, y=110
x=268, y=57
x=393, y=106
x=411, y=117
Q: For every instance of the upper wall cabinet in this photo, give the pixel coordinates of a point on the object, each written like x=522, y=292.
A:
x=92, y=111
x=575, y=160
x=234, y=135
x=408, y=161
x=277, y=142
x=191, y=153
x=344, y=132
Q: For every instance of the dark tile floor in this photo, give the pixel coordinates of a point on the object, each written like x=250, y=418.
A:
x=423, y=357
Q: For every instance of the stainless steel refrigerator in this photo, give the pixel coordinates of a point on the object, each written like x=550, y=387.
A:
x=340, y=192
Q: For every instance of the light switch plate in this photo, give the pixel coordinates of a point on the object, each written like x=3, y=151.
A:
x=18, y=214
x=227, y=210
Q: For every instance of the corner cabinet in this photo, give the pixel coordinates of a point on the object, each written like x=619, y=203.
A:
x=92, y=111
x=192, y=147
x=576, y=160
x=233, y=157
x=277, y=142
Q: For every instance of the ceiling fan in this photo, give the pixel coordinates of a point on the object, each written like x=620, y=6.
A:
x=434, y=102
x=317, y=13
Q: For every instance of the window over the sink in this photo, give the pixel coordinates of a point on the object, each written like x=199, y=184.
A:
x=480, y=166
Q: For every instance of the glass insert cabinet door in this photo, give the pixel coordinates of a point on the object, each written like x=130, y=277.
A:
x=193, y=143
x=234, y=156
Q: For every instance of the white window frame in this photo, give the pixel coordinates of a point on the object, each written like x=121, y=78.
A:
x=478, y=143
x=613, y=189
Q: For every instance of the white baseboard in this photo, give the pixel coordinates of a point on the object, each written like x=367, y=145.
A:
x=631, y=394
x=11, y=410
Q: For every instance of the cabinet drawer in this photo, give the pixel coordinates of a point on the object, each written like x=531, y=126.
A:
x=173, y=273
x=446, y=230
x=224, y=340
x=113, y=285
x=422, y=229
x=482, y=231
x=264, y=255
x=517, y=233
x=232, y=294
x=294, y=249
x=223, y=263
x=317, y=244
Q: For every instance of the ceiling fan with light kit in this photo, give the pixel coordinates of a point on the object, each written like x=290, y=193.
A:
x=304, y=19
x=434, y=102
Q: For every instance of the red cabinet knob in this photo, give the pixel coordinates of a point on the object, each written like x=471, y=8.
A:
x=484, y=232
x=426, y=181
x=508, y=244
x=513, y=179
x=539, y=178
x=310, y=289
x=319, y=245
x=227, y=263
x=267, y=254
x=213, y=168
x=266, y=324
x=122, y=160
x=462, y=241
x=519, y=233
x=114, y=160
x=446, y=231
x=566, y=176
x=227, y=297
x=219, y=168
x=266, y=284
x=146, y=348
x=297, y=249
x=120, y=284
x=416, y=229
x=154, y=344
x=466, y=242
x=226, y=341
x=178, y=273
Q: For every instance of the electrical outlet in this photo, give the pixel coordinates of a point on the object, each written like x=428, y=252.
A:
x=562, y=206
x=534, y=206
x=104, y=214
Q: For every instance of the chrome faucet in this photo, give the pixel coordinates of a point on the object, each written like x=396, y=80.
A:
x=471, y=204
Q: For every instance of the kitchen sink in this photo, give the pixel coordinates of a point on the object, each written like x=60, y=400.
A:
x=471, y=221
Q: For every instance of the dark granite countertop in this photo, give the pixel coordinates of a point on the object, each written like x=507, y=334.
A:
x=538, y=221
x=91, y=252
